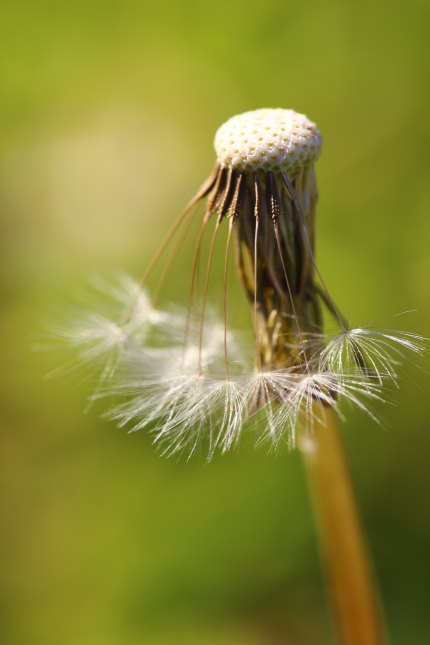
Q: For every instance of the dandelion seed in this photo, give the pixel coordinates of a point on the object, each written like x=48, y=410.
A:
x=376, y=353
x=125, y=320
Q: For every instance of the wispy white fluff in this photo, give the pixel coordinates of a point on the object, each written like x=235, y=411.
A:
x=124, y=319
x=283, y=398
x=185, y=393
x=375, y=353
x=174, y=394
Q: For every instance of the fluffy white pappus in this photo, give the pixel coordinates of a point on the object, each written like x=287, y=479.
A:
x=330, y=389
x=131, y=306
x=376, y=354
x=177, y=393
x=213, y=412
x=93, y=343
x=141, y=364
x=283, y=399
x=187, y=387
x=125, y=321
x=184, y=409
x=267, y=393
x=183, y=335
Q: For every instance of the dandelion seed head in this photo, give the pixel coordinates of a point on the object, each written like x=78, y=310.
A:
x=182, y=373
x=274, y=140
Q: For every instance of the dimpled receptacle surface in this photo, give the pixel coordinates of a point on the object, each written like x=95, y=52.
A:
x=273, y=140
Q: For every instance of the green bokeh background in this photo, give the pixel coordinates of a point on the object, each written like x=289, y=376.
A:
x=107, y=116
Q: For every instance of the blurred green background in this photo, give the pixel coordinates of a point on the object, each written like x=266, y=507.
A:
x=108, y=111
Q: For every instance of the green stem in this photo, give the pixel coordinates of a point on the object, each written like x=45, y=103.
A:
x=354, y=599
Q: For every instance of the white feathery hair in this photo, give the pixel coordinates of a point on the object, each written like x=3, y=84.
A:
x=376, y=353
x=183, y=395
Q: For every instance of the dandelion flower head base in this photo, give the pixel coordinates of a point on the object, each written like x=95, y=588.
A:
x=271, y=140
x=183, y=374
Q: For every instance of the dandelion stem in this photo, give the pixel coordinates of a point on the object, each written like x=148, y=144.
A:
x=353, y=595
